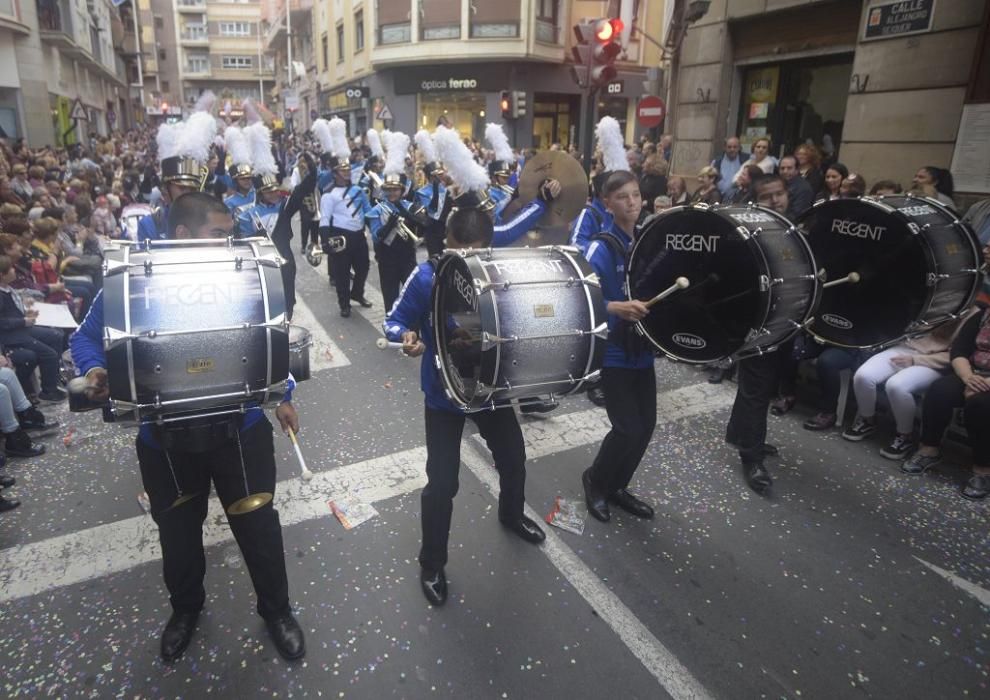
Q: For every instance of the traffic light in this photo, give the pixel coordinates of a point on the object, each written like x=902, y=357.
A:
x=518, y=104
x=505, y=104
x=596, y=51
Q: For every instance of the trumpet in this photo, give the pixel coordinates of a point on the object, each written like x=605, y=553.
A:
x=407, y=233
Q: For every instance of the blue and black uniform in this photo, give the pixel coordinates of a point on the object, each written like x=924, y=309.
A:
x=435, y=199
x=395, y=254
x=342, y=213
x=153, y=226
x=184, y=460
x=628, y=375
x=592, y=219
x=444, y=426
x=238, y=203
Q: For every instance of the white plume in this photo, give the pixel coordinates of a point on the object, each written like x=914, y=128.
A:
x=197, y=136
x=495, y=135
x=424, y=142
x=205, y=102
x=396, y=149
x=168, y=140
x=460, y=164
x=237, y=146
x=338, y=131
x=259, y=139
x=375, y=143
x=610, y=142
x=321, y=130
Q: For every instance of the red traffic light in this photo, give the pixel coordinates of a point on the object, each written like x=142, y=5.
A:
x=608, y=29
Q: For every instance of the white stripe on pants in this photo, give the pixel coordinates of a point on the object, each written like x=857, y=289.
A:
x=901, y=386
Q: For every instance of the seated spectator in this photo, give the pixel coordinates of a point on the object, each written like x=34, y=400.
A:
x=885, y=187
x=18, y=330
x=809, y=161
x=906, y=370
x=654, y=180
x=41, y=202
x=18, y=416
x=742, y=191
x=19, y=183
x=102, y=221
x=45, y=265
x=800, y=196
x=852, y=186
x=761, y=157
x=73, y=258
x=661, y=203
x=936, y=183
x=968, y=387
x=707, y=191
x=677, y=191
x=834, y=176
x=829, y=366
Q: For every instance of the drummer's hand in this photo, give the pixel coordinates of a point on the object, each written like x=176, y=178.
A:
x=634, y=310
x=412, y=345
x=550, y=190
x=97, y=386
x=287, y=417
x=902, y=361
x=977, y=384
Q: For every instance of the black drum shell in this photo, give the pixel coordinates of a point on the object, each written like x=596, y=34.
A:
x=300, y=342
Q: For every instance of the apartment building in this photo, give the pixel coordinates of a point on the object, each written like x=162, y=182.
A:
x=403, y=64
x=64, y=73
x=221, y=49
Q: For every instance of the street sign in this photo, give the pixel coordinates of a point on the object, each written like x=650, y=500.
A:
x=615, y=87
x=650, y=111
x=291, y=99
x=385, y=114
x=356, y=93
x=78, y=111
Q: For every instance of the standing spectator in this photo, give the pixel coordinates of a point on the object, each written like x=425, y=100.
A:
x=800, y=196
x=809, y=161
x=852, y=186
x=834, y=176
x=707, y=192
x=666, y=147
x=931, y=181
x=729, y=163
x=761, y=157
x=677, y=191
x=654, y=181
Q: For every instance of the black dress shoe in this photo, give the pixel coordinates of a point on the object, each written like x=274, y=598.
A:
x=177, y=633
x=977, y=488
x=597, y=505
x=287, y=636
x=19, y=444
x=545, y=407
x=596, y=395
x=365, y=304
x=629, y=503
x=757, y=476
x=770, y=450
x=8, y=504
x=7, y=481
x=345, y=312
x=526, y=529
x=33, y=419
x=434, y=585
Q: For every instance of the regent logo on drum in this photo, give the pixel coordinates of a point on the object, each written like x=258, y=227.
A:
x=465, y=288
x=837, y=321
x=692, y=242
x=752, y=217
x=192, y=295
x=520, y=266
x=198, y=365
x=689, y=341
x=857, y=229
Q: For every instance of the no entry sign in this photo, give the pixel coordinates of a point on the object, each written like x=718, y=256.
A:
x=651, y=111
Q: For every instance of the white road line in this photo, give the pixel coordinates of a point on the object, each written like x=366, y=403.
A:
x=325, y=354
x=669, y=672
x=981, y=594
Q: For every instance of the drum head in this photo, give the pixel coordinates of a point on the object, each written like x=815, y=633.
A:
x=457, y=330
x=851, y=235
x=712, y=318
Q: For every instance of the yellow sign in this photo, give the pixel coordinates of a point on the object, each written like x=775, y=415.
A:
x=761, y=84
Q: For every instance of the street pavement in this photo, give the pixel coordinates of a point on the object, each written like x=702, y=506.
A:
x=848, y=580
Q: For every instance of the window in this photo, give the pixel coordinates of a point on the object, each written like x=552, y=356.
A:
x=441, y=19
x=548, y=21
x=235, y=29
x=393, y=23
x=495, y=20
x=324, y=50
x=340, y=43
x=159, y=23
x=162, y=55
x=165, y=87
x=197, y=64
x=236, y=62
x=358, y=31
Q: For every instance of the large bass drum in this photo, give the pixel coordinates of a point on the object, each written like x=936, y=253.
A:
x=918, y=266
x=193, y=328
x=516, y=323
x=752, y=281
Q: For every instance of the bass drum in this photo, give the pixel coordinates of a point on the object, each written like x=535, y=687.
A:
x=516, y=323
x=918, y=266
x=752, y=281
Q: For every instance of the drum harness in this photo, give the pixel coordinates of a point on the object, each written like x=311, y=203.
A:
x=626, y=334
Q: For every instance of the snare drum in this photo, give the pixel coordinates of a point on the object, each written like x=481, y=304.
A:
x=300, y=341
x=752, y=281
x=516, y=323
x=918, y=266
x=193, y=327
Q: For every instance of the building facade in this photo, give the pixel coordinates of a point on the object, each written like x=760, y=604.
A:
x=404, y=64
x=881, y=86
x=221, y=49
x=296, y=87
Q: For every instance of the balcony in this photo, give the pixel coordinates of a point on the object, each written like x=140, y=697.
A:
x=191, y=5
x=197, y=69
x=194, y=35
x=55, y=24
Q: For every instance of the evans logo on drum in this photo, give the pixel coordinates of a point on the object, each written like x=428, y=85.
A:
x=837, y=321
x=692, y=243
x=857, y=229
x=689, y=341
x=466, y=289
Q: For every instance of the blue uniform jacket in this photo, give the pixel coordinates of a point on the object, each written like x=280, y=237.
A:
x=424, y=195
x=154, y=225
x=246, y=226
x=586, y=225
x=412, y=312
x=86, y=345
x=612, y=275
x=378, y=215
x=501, y=199
x=237, y=200
x=523, y=222
x=324, y=178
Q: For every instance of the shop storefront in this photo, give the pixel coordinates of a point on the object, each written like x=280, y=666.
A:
x=350, y=104
x=556, y=119
x=463, y=95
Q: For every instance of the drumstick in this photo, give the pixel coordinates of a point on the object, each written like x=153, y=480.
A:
x=384, y=344
x=851, y=278
x=306, y=473
x=679, y=283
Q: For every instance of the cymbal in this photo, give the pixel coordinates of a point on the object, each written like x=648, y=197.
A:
x=553, y=165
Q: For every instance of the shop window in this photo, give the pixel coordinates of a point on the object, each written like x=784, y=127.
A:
x=358, y=31
x=465, y=111
x=495, y=20
x=440, y=19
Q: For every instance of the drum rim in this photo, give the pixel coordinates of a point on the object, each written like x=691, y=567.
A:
x=449, y=258
x=571, y=256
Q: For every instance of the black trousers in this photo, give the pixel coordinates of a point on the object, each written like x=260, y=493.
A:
x=288, y=270
x=47, y=346
x=180, y=528
x=309, y=231
x=435, y=235
x=942, y=397
x=395, y=262
x=631, y=404
x=747, y=428
x=355, y=256
x=502, y=434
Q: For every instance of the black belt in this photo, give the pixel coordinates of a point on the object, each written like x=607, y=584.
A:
x=197, y=434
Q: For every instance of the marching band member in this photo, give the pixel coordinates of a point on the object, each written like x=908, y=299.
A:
x=629, y=377
x=243, y=197
x=370, y=178
x=500, y=169
x=467, y=227
x=595, y=216
x=433, y=195
x=343, y=208
x=395, y=244
x=185, y=456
